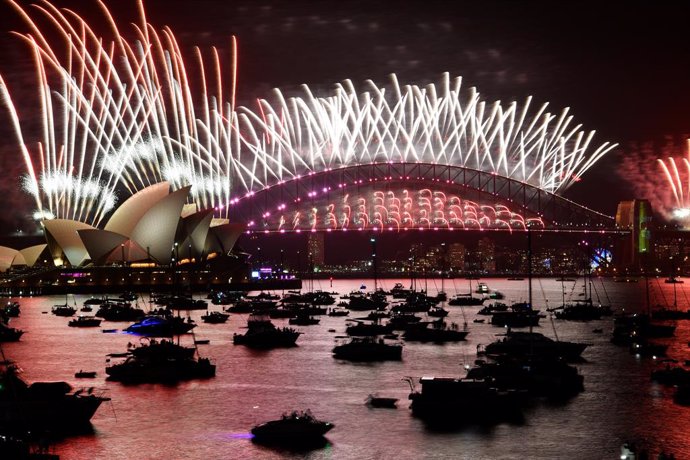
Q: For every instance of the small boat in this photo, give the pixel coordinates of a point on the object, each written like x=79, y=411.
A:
x=85, y=374
x=478, y=321
x=63, y=310
x=86, y=309
x=202, y=342
x=215, y=317
x=109, y=331
x=84, y=321
x=295, y=428
x=374, y=400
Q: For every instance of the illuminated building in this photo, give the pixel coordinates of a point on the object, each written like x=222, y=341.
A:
x=636, y=216
x=315, y=248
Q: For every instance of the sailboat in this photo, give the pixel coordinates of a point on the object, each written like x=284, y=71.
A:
x=64, y=309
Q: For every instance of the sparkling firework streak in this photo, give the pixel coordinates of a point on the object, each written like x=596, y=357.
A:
x=679, y=184
x=121, y=115
x=422, y=124
x=661, y=174
x=401, y=209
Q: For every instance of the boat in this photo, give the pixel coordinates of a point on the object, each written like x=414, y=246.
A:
x=516, y=318
x=437, y=312
x=41, y=406
x=11, y=309
x=215, y=317
x=447, y=401
x=493, y=308
x=673, y=280
x=294, y=428
x=536, y=376
x=9, y=334
x=86, y=309
x=63, y=310
x=201, y=341
x=374, y=400
x=263, y=334
x=368, y=349
x=94, y=301
x=161, y=326
x=518, y=343
x=85, y=321
x=436, y=332
x=361, y=328
x=338, y=311
x=303, y=319
x=465, y=300
x=579, y=310
x=160, y=362
x=119, y=311
x=482, y=288
x=85, y=374
x=185, y=303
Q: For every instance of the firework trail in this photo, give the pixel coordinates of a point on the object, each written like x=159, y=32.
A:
x=660, y=175
x=397, y=210
x=118, y=116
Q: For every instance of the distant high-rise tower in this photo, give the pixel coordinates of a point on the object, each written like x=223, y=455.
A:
x=456, y=256
x=636, y=216
x=315, y=249
x=487, y=255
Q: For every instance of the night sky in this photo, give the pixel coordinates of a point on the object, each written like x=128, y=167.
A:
x=622, y=67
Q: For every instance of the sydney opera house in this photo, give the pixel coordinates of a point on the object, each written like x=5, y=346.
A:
x=153, y=228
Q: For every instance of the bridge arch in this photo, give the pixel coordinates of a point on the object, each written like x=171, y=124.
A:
x=303, y=194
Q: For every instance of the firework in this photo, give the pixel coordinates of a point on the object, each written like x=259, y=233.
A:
x=431, y=124
x=118, y=116
x=399, y=209
x=661, y=175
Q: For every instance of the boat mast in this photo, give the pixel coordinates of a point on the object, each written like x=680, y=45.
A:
x=373, y=261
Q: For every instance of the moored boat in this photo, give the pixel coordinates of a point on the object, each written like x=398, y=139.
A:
x=85, y=321
x=368, y=349
x=262, y=333
x=295, y=428
x=43, y=405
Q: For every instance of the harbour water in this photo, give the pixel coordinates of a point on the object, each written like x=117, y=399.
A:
x=211, y=419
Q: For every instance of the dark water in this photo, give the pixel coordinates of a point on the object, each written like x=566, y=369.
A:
x=211, y=419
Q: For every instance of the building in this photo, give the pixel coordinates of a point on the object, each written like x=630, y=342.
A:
x=456, y=257
x=486, y=255
x=152, y=226
x=635, y=216
x=315, y=250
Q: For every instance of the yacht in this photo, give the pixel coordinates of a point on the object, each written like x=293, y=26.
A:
x=368, y=349
x=161, y=326
x=44, y=405
x=262, y=333
x=448, y=400
x=85, y=321
x=535, y=344
x=294, y=428
x=160, y=362
x=215, y=317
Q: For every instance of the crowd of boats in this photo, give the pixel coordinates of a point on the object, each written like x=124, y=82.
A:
x=508, y=373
